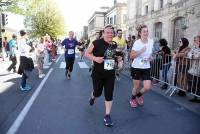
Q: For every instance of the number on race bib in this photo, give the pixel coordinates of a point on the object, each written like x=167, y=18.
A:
x=109, y=64
x=70, y=51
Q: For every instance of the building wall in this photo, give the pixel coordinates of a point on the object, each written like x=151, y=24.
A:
x=172, y=10
x=96, y=23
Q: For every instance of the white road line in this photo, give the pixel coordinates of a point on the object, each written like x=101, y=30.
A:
x=82, y=65
x=58, y=58
x=17, y=123
x=76, y=56
x=62, y=64
x=46, y=67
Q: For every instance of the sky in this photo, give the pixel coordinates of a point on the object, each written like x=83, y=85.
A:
x=15, y=21
x=78, y=12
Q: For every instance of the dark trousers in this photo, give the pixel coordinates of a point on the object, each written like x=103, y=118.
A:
x=13, y=64
x=165, y=69
x=23, y=80
x=69, y=64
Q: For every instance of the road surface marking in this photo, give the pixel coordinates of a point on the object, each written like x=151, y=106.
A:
x=82, y=65
x=17, y=123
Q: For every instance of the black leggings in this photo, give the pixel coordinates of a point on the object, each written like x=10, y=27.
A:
x=69, y=64
x=104, y=80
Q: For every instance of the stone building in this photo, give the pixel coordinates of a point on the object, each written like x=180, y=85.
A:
x=169, y=19
x=116, y=16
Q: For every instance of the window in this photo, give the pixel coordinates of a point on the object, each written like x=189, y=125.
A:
x=111, y=20
x=146, y=9
x=161, y=3
x=124, y=18
x=108, y=20
x=115, y=20
x=158, y=30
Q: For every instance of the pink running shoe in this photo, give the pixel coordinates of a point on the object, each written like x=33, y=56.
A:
x=140, y=100
x=133, y=103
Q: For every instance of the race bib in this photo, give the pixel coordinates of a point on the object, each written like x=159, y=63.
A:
x=70, y=51
x=109, y=64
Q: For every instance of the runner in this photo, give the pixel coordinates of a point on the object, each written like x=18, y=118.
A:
x=121, y=46
x=140, y=71
x=97, y=37
x=102, y=53
x=69, y=44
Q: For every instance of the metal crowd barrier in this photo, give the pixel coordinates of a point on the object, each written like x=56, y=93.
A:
x=179, y=74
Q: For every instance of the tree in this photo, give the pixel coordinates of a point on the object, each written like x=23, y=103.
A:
x=47, y=19
x=22, y=7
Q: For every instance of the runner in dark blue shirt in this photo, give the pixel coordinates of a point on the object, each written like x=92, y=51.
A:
x=69, y=45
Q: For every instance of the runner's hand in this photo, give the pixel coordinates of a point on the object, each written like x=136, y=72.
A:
x=98, y=59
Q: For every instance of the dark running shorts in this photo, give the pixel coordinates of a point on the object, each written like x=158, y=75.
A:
x=140, y=74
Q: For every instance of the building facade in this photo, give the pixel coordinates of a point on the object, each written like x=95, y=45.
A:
x=117, y=17
x=96, y=23
x=169, y=19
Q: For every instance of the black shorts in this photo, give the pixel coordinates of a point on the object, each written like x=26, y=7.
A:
x=140, y=74
x=103, y=80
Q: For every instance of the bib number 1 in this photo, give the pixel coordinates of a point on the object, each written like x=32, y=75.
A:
x=70, y=51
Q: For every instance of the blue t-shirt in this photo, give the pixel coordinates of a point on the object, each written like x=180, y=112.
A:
x=12, y=47
x=70, y=46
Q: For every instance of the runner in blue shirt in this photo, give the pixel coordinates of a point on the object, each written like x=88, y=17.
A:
x=69, y=45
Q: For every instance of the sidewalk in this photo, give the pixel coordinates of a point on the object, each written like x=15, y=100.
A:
x=182, y=101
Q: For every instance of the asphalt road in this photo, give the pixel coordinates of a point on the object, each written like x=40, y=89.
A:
x=62, y=107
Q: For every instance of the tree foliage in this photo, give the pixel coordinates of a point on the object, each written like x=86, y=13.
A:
x=23, y=7
x=46, y=19
x=41, y=16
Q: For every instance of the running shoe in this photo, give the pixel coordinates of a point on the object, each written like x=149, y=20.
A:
x=26, y=88
x=140, y=100
x=91, y=101
x=107, y=121
x=68, y=76
x=133, y=103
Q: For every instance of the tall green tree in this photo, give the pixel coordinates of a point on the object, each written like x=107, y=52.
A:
x=46, y=19
x=23, y=7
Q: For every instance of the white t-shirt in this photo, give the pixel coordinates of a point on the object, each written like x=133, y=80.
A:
x=23, y=48
x=140, y=61
x=39, y=48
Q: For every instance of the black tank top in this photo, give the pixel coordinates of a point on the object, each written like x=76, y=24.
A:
x=103, y=49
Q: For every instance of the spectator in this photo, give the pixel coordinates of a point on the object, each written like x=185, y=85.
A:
x=194, y=70
x=156, y=62
x=166, y=60
x=40, y=57
x=179, y=56
x=12, y=47
x=26, y=63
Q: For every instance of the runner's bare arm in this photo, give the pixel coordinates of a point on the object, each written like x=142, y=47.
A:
x=135, y=54
x=89, y=54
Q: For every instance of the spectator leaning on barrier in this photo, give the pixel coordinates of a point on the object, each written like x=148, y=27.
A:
x=194, y=70
x=156, y=62
x=179, y=55
x=166, y=60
